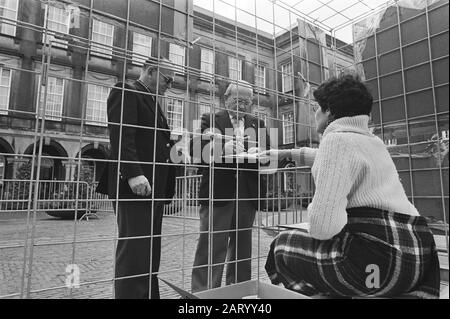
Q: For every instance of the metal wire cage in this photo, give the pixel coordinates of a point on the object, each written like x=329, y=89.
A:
x=59, y=61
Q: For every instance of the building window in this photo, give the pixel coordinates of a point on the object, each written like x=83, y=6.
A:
x=288, y=128
x=206, y=104
x=260, y=79
x=103, y=36
x=261, y=116
x=390, y=141
x=207, y=62
x=55, y=98
x=235, y=68
x=5, y=86
x=96, y=104
x=58, y=20
x=339, y=69
x=175, y=114
x=176, y=55
x=8, y=10
x=287, y=77
x=142, y=48
x=202, y=108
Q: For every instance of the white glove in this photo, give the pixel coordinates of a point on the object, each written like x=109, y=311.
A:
x=140, y=185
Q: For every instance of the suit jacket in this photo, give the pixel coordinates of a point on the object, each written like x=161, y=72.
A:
x=225, y=173
x=138, y=145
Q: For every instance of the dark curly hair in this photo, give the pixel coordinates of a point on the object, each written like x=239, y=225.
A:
x=345, y=95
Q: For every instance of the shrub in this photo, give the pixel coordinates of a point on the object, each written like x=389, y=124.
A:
x=65, y=202
x=16, y=192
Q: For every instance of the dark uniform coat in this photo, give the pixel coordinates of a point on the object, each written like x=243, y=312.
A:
x=138, y=144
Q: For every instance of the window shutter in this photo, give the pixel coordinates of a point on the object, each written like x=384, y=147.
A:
x=248, y=72
x=221, y=64
x=195, y=57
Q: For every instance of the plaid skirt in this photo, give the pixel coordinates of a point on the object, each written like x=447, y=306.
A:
x=377, y=254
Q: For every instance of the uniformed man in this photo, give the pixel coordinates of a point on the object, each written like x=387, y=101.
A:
x=140, y=169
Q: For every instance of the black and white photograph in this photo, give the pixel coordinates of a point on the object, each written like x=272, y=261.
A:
x=224, y=150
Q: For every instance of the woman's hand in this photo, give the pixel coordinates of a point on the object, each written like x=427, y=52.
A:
x=275, y=154
x=253, y=150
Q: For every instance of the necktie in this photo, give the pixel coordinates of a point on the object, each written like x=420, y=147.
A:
x=237, y=127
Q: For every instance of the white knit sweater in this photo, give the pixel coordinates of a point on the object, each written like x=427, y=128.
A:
x=351, y=168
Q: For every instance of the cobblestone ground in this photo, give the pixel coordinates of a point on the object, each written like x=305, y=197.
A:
x=54, y=249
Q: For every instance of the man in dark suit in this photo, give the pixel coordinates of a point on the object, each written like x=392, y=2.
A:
x=228, y=209
x=140, y=171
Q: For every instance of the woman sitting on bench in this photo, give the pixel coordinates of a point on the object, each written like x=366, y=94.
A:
x=365, y=238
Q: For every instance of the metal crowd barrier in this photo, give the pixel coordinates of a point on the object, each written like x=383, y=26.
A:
x=186, y=199
x=288, y=192
x=57, y=198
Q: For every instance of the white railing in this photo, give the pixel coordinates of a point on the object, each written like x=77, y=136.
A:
x=99, y=202
x=185, y=202
x=287, y=194
x=57, y=198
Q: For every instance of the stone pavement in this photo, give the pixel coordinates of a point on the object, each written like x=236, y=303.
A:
x=93, y=251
